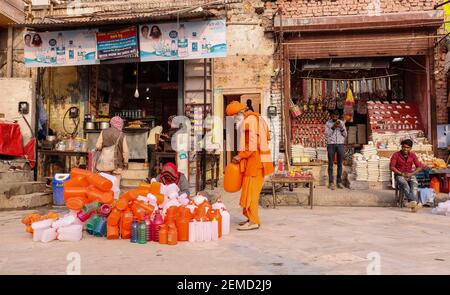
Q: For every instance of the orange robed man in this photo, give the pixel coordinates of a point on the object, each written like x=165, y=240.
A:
x=254, y=158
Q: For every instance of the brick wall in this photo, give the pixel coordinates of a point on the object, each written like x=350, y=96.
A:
x=314, y=8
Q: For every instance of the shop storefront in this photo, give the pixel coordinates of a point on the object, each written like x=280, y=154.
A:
x=376, y=71
x=143, y=72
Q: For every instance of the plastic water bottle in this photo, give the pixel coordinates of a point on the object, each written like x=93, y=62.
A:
x=142, y=233
x=148, y=225
x=157, y=222
x=134, y=231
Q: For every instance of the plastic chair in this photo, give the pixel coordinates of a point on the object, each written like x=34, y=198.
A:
x=399, y=194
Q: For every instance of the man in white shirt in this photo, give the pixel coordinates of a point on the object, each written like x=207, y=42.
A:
x=152, y=144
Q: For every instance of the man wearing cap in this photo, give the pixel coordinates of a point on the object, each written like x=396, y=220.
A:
x=335, y=133
x=254, y=159
x=402, y=166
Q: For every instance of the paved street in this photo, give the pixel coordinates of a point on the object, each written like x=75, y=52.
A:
x=292, y=240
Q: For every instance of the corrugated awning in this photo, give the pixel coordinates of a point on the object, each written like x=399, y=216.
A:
x=11, y=11
x=423, y=19
x=98, y=20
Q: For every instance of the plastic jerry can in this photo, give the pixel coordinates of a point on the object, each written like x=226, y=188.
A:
x=183, y=229
x=91, y=224
x=199, y=231
x=126, y=221
x=74, y=192
x=79, y=172
x=122, y=204
x=232, y=181
x=84, y=216
x=192, y=233
x=172, y=235
x=100, y=182
x=100, y=229
x=163, y=232
x=79, y=181
x=225, y=222
x=207, y=231
x=63, y=222
x=71, y=233
x=58, y=188
x=75, y=204
x=112, y=232
x=214, y=230
x=39, y=227
x=215, y=214
x=49, y=235
x=114, y=217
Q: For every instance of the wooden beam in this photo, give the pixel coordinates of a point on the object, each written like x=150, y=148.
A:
x=9, y=54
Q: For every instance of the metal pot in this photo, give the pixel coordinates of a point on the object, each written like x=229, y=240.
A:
x=51, y=138
x=102, y=125
x=89, y=126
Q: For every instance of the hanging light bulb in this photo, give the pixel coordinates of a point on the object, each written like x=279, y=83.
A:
x=136, y=93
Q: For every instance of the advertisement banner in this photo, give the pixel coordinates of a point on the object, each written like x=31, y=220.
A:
x=60, y=48
x=186, y=40
x=117, y=44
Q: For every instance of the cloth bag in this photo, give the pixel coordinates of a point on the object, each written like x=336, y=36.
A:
x=107, y=159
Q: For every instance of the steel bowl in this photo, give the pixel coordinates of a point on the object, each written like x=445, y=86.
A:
x=89, y=126
x=103, y=125
x=51, y=138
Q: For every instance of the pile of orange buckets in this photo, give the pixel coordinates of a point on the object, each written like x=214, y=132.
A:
x=141, y=215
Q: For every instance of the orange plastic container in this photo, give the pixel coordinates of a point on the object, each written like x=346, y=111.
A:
x=163, y=234
x=94, y=194
x=74, y=192
x=172, y=235
x=76, y=172
x=232, y=180
x=114, y=217
x=130, y=195
x=112, y=232
x=435, y=184
x=100, y=182
x=184, y=213
x=125, y=224
x=213, y=213
x=79, y=181
x=122, y=203
x=145, y=186
x=138, y=212
x=75, y=203
x=183, y=229
x=148, y=208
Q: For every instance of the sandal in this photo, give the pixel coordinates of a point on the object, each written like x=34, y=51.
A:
x=243, y=222
x=249, y=226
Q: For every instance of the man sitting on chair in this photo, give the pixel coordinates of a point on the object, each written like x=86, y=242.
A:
x=401, y=164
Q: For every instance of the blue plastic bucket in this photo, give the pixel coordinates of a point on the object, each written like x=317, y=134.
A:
x=58, y=188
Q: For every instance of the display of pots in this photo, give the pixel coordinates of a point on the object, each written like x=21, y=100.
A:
x=89, y=126
x=102, y=125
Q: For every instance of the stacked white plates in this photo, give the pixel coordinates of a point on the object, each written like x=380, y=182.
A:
x=385, y=171
x=322, y=154
x=297, y=150
x=369, y=150
x=372, y=169
x=311, y=152
x=360, y=167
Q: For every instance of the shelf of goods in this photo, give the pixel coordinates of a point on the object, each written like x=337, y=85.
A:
x=308, y=129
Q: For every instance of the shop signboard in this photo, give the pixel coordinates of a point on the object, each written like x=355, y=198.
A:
x=185, y=40
x=60, y=48
x=446, y=16
x=117, y=44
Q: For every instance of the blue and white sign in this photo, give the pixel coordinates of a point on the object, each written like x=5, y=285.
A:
x=60, y=48
x=185, y=40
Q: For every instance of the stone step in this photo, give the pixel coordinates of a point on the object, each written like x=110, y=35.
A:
x=15, y=176
x=129, y=183
x=26, y=201
x=22, y=188
x=140, y=174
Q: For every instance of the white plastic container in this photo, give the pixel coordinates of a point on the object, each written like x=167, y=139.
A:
x=199, y=231
x=214, y=230
x=192, y=233
x=43, y=224
x=49, y=235
x=225, y=222
x=116, y=185
x=219, y=205
x=207, y=231
x=65, y=221
x=71, y=233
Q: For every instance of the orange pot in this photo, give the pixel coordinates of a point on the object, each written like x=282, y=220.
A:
x=232, y=181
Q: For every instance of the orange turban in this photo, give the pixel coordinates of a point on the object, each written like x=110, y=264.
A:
x=234, y=107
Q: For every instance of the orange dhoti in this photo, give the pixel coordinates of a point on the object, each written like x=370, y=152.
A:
x=251, y=189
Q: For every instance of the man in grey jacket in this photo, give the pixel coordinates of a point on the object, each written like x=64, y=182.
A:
x=336, y=133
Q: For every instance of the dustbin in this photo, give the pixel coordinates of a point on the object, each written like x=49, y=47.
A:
x=58, y=188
